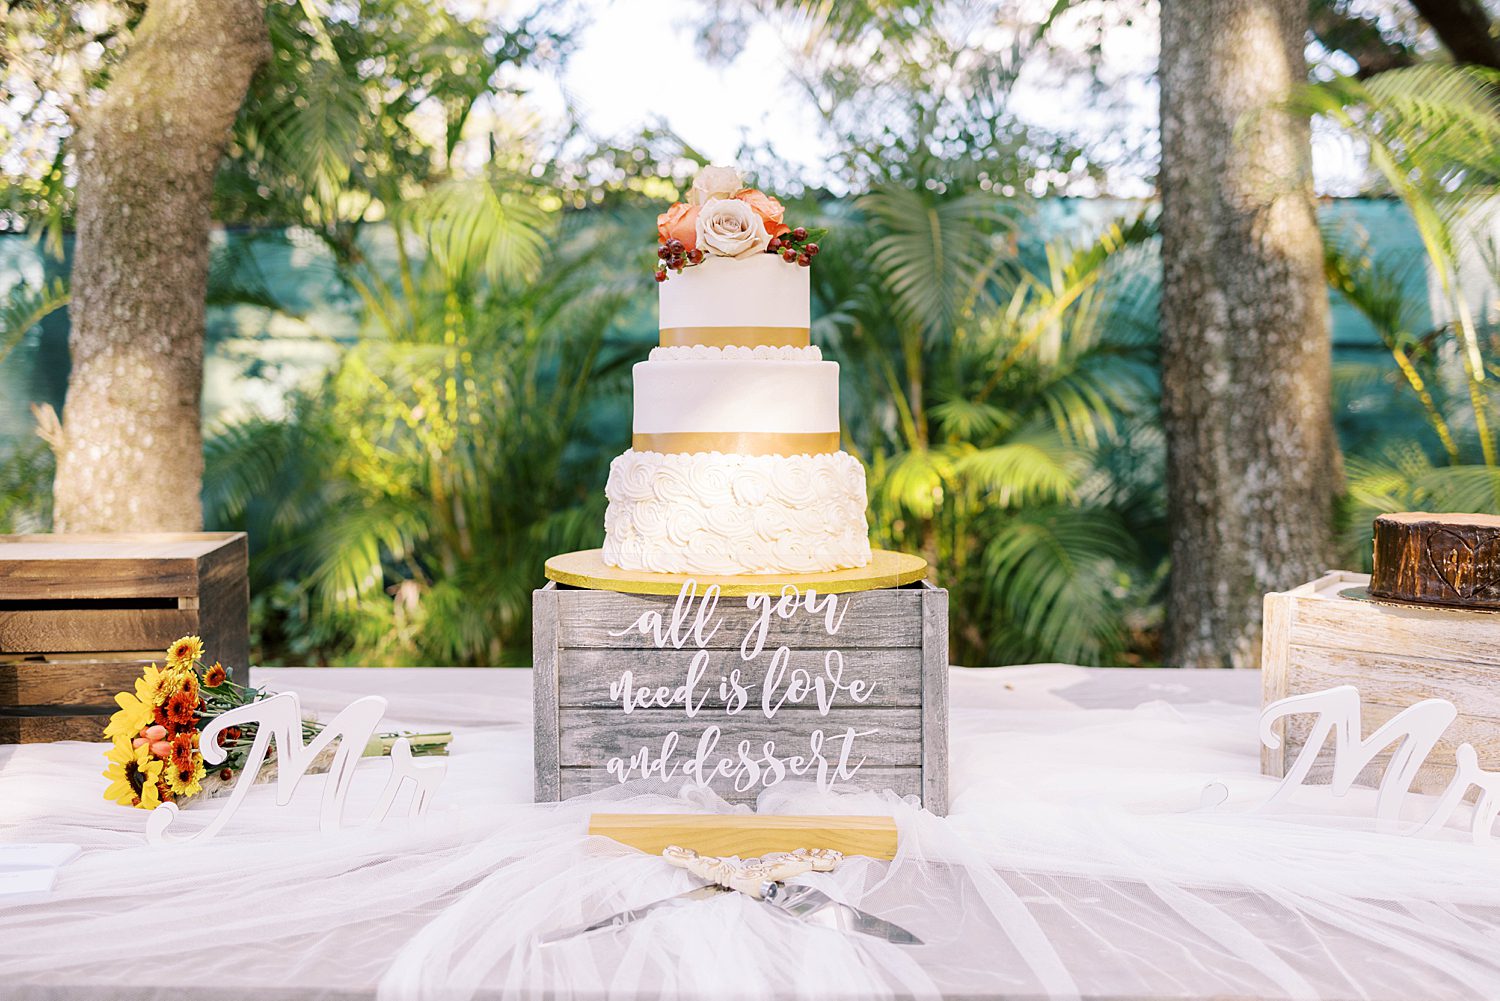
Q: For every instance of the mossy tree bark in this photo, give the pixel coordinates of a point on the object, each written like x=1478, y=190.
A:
x=1252, y=460
x=131, y=455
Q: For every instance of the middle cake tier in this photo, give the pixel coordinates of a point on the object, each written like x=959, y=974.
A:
x=738, y=406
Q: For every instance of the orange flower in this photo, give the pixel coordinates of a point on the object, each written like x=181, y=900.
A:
x=680, y=222
x=182, y=707
x=768, y=208
x=182, y=751
x=215, y=676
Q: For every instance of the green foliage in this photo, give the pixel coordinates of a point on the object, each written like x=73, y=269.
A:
x=1433, y=133
x=402, y=511
x=995, y=399
x=26, y=488
x=54, y=56
x=26, y=306
x=336, y=130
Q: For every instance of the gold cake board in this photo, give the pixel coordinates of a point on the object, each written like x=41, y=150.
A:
x=588, y=569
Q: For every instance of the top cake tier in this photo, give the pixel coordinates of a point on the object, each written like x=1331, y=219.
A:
x=752, y=301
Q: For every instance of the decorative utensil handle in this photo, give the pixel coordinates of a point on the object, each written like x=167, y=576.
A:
x=752, y=876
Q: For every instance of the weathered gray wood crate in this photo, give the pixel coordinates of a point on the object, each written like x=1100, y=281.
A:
x=1396, y=655
x=871, y=695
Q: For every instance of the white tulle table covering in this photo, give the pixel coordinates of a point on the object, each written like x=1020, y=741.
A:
x=1072, y=865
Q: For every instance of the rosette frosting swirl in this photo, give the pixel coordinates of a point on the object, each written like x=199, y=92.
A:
x=709, y=512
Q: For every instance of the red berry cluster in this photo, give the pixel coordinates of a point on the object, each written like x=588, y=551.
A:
x=673, y=255
x=794, y=247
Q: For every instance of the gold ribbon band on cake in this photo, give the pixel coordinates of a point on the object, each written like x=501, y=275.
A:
x=739, y=442
x=739, y=337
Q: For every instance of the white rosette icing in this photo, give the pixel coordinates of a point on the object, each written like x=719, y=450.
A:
x=716, y=513
x=763, y=352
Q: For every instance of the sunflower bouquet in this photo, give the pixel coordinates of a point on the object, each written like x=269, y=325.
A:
x=154, y=756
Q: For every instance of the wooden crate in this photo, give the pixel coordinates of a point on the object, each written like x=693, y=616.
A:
x=81, y=614
x=1396, y=655
x=895, y=638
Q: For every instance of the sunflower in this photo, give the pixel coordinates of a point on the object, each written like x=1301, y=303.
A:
x=136, y=710
x=133, y=775
x=215, y=676
x=185, y=652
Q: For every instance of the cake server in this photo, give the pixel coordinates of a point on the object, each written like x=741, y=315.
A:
x=632, y=915
x=808, y=903
x=761, y=879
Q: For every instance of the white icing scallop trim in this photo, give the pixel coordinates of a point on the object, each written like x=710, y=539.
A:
x=716, y=513
x=702, y=352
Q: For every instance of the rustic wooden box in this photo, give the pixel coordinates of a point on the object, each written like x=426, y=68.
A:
x=80, y=614
x=896, y=638
x=1396, y=655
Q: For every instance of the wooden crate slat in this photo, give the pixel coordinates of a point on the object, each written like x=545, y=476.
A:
x=1397, y=680
x=935, y=700
x=109, y=578
x=592, y=736
x=576, y=781
x=883, y=618
x=585, y=675
x=224, y=614
x=1463, y=635
x=95, y=566
x=86, y=723
x=66, y=683
x=86, y=545
x=78, y=630
x=544, y=682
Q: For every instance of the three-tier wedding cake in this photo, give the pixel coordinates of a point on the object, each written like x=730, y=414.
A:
x=735, y=465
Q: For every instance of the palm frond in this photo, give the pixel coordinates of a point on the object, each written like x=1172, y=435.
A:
x=1053, y=573
x=25, y=307
x=916, y=481
x=936, y=253
x=485, y=228
x=1033, y=466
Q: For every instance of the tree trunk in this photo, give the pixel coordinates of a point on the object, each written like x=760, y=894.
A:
x=1252, y=461
x=131, y=455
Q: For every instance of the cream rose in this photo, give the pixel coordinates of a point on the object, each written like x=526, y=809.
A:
x=730, y=228
x=714, y=182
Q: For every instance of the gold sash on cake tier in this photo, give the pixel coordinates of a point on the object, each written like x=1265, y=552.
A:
x=739, y=337
x=739, y=442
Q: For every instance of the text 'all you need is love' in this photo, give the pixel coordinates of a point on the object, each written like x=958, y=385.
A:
x=826, y=756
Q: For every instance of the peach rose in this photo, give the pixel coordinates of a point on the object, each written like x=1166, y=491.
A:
x=679, y=222
x=714, y=182
x=768, y=208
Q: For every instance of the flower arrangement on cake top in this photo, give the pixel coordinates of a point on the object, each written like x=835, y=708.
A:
x=723, y=219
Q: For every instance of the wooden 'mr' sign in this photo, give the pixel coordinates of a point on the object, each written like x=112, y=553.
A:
x=741, y=693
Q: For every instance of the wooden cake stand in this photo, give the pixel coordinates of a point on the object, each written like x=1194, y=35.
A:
x=588, y=569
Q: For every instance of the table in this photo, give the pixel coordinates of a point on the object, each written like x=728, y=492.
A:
x=1076, y=863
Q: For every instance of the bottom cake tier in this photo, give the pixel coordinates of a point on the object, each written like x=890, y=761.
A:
x=718, y=513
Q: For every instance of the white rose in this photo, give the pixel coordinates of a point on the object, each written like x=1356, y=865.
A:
x=714, y=182
x=729, y=227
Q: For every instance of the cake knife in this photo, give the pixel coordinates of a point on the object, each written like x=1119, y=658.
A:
x=760, y=879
